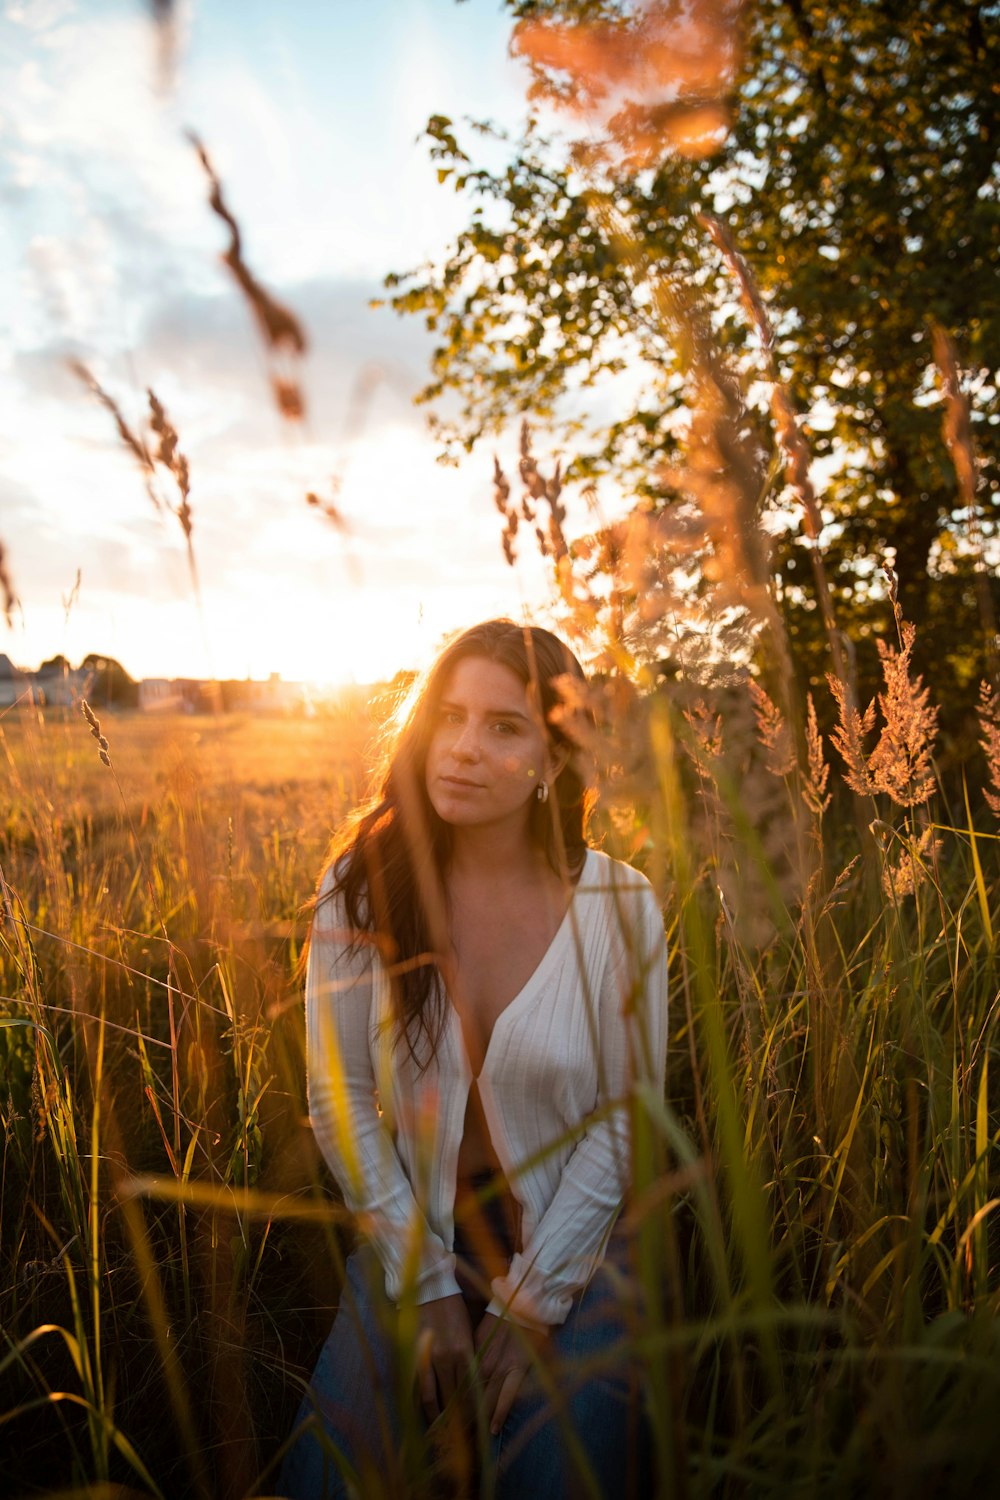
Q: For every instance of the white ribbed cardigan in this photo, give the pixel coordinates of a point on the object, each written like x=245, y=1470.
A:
x=589, y=1023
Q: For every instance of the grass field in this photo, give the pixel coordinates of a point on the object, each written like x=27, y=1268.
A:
x=159, y=921
x=816, y=1203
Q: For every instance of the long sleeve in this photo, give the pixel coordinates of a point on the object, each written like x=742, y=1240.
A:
x=629, y=1031
x=344, y=1110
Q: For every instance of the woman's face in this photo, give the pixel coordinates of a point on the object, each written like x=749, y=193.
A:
x=487, y=751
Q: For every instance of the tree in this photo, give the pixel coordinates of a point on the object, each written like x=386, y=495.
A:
x=108, y=684
x=858, y=177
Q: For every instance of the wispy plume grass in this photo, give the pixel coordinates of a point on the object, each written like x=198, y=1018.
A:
x=900, y=765
x=159, y=449
x=133, y=441
x=172, y=459
x=283, y=334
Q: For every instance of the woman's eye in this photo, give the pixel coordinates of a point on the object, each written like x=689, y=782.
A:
x=504, y=727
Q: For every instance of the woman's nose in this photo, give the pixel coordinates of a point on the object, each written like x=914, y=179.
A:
x=466, y=745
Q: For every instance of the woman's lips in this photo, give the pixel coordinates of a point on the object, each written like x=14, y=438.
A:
x=462, y=783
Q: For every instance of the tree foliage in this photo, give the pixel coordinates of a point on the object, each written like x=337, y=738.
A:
x=109, y=684
x=859, y=178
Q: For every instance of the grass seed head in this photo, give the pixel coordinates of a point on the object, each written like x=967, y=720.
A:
x=900, y=764
x=909, y=871
x=814, y=792
x=280, y=328
x=103, y=747
x=773, y=732
x=136, y=445
x=989, y=723
x=849, y=737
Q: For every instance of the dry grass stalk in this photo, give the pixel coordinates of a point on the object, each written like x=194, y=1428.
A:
x=910, y=870
x=537, y=491
x=169, y=455
x=957, y=426
x=773, y=732
x=166, y=453
x=793, y=445
x=95, y=729
x=901, y=761
x=706, y=745
x=836, y=893
x=281, y=330
x=7, y=587
x=501, y=499
x=164, y=21
x=900, y=764
x=542, y=490
x=288, y=397
x=814, y=783
x=892, y=582
x=327, y=508
x=989, y=720
x=172, y=459
x=849, y=736
x=68, y=600
x=957, y=420
x=134, y=443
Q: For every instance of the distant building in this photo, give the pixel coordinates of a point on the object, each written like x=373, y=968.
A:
x=14, y=684
x=59, y=687
x=105, y=684
x=235, y=695
x=160, y=695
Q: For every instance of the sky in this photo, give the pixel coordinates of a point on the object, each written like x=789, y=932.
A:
x=109, y=254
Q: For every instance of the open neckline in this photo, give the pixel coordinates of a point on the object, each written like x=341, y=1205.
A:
x=535, y=979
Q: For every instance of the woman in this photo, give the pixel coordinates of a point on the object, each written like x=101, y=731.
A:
x=483, y=990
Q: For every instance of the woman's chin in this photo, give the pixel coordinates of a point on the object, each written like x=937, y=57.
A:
x=460, y=813
x=472, y=810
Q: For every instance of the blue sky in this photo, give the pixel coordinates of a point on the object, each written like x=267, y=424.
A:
x=311, y=111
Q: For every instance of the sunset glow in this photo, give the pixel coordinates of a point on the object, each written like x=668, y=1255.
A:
x=116, y=257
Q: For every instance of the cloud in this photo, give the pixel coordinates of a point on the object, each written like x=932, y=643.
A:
x=18, y=502
x=115, y=255
x=211, y=340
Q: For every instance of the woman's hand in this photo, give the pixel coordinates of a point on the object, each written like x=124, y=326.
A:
x=444, y=1344
x=506, y=1357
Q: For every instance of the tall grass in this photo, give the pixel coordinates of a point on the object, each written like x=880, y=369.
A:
x=149, y=1027
x=816, y=1198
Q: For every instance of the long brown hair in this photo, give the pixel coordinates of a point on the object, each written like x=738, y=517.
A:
x=389, y=862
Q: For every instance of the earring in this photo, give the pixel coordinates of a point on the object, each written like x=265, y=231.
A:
x=542, y=791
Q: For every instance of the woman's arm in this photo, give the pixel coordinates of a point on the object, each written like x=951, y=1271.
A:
x=345, y=1117
x=630, y=1033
